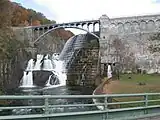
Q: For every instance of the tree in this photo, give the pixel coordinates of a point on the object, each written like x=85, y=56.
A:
x=9, y=46
x=125, y=57
x=46, y=21
x=36, y=23
x=119, y=48
x=33, y=16
x=154, y=43
x=20, y=15
x=6, y=10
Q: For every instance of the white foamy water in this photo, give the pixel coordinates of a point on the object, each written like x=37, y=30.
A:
x=109, y=71
x=43, y=63
x=27, y=80
x=38, y=62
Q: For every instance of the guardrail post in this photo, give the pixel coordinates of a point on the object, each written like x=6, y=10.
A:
x=106, y=106
x=106, y=103
x=46, y=106
x=146, y=103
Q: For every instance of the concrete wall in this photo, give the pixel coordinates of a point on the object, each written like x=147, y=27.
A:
x=133, y=33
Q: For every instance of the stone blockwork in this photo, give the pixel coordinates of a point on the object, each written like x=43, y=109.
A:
x=83, y=70
x=80, y=54
x=133, y=33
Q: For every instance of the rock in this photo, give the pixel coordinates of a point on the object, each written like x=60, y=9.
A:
x=40, y=77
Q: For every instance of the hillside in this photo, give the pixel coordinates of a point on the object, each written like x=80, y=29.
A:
x=24, y=17
x=21, y=17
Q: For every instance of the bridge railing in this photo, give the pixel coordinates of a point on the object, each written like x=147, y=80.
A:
x=109, y=103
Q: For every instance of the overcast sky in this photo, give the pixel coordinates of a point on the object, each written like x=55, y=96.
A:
x=77, y=10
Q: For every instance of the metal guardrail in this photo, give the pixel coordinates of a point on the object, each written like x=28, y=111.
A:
x=144, y=101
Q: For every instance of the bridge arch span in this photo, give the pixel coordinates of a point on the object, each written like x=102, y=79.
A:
x=60, y=27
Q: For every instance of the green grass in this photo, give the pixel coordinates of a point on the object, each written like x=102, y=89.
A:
x=130, y=83
x=137, y=83
x=135, y=78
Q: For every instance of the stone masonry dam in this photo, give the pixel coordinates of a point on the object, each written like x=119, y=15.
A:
x=131, y=33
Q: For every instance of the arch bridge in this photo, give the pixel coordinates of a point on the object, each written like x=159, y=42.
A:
x=88, y=26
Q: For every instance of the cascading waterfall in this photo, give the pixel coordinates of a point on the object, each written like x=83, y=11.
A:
x=27, y=79
x=57, y=66
x=43, y=63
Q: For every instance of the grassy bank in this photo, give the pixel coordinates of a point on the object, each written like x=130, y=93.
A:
x=135, y=83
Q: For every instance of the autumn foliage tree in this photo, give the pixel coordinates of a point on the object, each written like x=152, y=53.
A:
x=9, y=46
x=20, y=15
x=6, y=33
x=24, y=17
x=6, y=10
x=37, y=16
x=36, y=23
